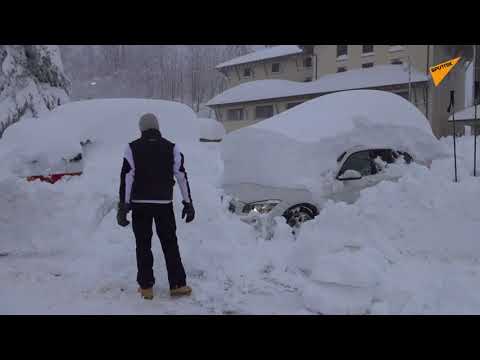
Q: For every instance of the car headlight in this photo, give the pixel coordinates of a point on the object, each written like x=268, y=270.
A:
x=261, y=207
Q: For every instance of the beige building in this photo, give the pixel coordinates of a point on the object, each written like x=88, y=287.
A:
x=288, y=62
x=403, y=69
x=254, y=101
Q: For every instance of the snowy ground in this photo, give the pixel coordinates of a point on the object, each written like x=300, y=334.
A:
x=404, y=248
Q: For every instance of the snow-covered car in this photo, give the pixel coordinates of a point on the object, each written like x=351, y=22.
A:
x=211, y=130
x=86, y=135
x=327, y=149
x=34, y=150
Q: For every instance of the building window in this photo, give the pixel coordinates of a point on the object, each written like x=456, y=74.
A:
x=396, y=62
x=308, y=79
x=341, y=69
x=342, y=50
x=247, y=72
x=235, y=114
x=307, y=62
x=367, y=49
x=367, y=65
x=291, y=105
x=404, y=94
x=263, y=112
x=275, y=67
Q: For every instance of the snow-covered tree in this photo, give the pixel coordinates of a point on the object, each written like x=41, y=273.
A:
x=32, y=81
x=184, y=73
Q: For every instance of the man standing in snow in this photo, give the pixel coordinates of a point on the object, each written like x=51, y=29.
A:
x=146, y=187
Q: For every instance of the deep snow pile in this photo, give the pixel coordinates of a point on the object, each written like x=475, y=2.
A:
x=109, y=125
x=404, y=247
x=68, y=255
x=299, y=146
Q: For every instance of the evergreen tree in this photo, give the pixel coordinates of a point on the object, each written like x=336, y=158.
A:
x=32, y=81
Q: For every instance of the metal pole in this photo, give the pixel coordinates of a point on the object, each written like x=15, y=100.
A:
x=454, y=146
x=427, y=114
x=452, y=104
x=475, y=111
x=409, y=79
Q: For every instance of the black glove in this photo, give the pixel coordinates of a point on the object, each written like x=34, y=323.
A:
x=122, y=212
x=188, y=211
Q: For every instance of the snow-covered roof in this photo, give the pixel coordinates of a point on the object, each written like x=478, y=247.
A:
x=381, y=75
x=269, y=53
x=466, y=114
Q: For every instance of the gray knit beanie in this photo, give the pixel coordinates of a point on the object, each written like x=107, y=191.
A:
x=148, y=121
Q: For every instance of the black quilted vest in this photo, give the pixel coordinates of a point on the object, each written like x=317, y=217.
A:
x=153, y=157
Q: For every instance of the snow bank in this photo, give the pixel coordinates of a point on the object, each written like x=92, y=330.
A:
x=67, y=255
x=211, y=130
x=109, y=124
x=299, y=146
x=263, y=54
x=389, y=252
x=406, y=247
x=403, y=248
x=377, y=76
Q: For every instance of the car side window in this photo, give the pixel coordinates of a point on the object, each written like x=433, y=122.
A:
x=76, y=158
x=385, y=154
x=361, y=162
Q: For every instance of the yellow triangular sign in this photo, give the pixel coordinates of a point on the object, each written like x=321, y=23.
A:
x=441, y=70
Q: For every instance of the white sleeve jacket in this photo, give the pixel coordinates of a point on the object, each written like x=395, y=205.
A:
x=128, y=176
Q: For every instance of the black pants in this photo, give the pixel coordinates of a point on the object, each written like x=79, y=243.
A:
x=142, y=218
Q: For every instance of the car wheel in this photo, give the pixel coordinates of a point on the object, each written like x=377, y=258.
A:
x=297, y=215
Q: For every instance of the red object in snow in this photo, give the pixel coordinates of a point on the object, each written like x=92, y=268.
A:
x=53, y=178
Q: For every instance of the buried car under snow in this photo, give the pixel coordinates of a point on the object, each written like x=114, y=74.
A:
x=87, y=136
x=34, y=150
x=329, y=148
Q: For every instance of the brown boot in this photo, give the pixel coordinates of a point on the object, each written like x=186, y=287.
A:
x=181, y=291
x=147, y=294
